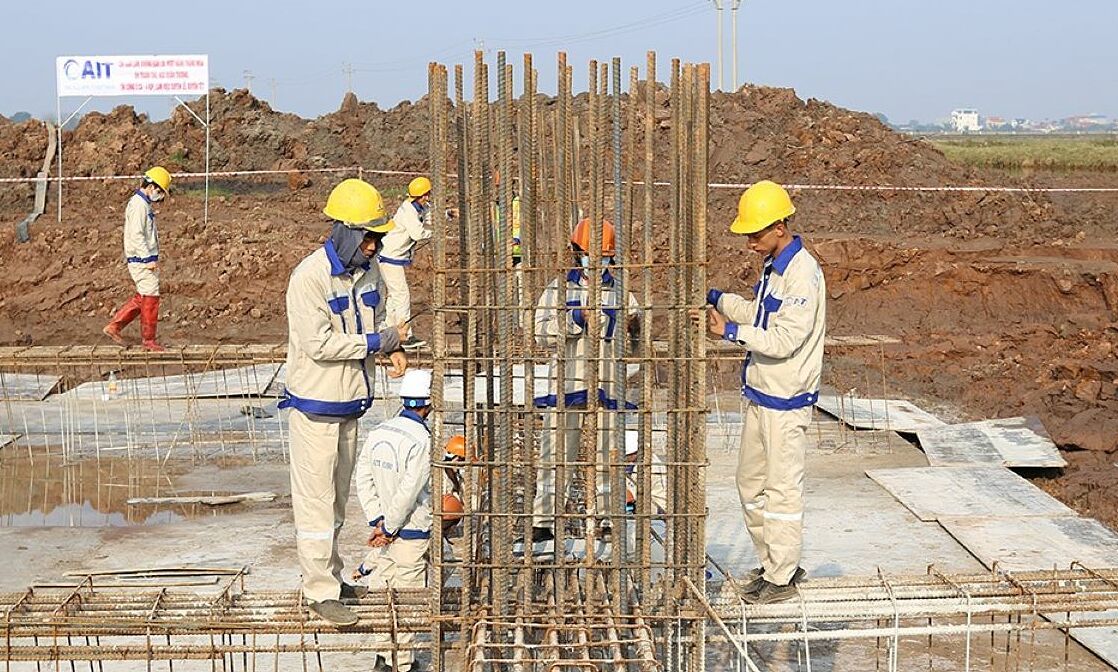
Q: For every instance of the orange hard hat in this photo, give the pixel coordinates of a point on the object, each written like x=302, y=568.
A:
x=452, y=508
x=630, y=498
x=581, y=237
x=456, y=446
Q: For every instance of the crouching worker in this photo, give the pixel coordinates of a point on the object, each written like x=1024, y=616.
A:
x=658, y=478
x=394, y=486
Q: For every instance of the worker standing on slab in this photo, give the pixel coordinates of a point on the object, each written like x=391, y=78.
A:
x=561, y=322
x=336, y=322
x=141, y=253
x=394, y=486
x=782, y=329
x=412, y=225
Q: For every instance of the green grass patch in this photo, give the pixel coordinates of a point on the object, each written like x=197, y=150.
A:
x=1061, y=153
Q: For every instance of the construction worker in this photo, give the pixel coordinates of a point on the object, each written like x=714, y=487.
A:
x=141, y=253
x=658, y=478
x=513, y=229
x=394, y=486
x=561, y=322
x=782, y=330
x=412, y=219
x=452, y=503
x=336, y=321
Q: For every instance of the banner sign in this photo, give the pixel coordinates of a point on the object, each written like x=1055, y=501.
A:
x=132, y=75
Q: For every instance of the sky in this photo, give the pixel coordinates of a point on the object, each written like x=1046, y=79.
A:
x=907, y=59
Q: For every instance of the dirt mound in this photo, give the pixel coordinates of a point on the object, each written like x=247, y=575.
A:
x=757, y=132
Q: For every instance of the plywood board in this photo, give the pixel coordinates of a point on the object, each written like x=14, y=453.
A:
x=1037, y=542
x=1007, y=442
x=26, y=386
x=1042, y=544
x=933, y=493
x=246, y=381
x=895, y=415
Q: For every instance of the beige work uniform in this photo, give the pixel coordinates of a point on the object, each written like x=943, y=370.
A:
x=783, y=329
x=141, y=244
x=559, y=326
x=396, y=256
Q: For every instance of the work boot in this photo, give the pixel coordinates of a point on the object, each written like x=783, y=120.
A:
x=353, y=592
x=122, y=319
x=756, y=580
x=413, y=343
x=769, y=593
x=333, y=611
x=149, y=320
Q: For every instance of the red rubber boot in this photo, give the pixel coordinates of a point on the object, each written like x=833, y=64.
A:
x=122, y=319
x=149, y=319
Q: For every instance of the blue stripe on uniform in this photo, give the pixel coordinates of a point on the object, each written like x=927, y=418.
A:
x=780, y=403
x=393, y=262
x=143, y=260
x=336, y=409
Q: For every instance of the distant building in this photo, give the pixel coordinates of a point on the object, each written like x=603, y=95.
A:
x=965, y=121
x=1087, y=122
x=995, y=124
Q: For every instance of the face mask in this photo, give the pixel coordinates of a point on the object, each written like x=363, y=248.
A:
x=159, y=196
x=584, y=261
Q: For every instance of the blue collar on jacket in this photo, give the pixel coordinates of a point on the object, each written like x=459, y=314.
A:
x=780, y=262
x=412, y=415
x=336, y=266
x=143, y=196
x=418, y=208
x=575, y=275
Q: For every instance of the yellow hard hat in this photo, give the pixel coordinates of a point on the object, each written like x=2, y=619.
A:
x=358, y=204
x=418, y=187
x=763, y=204
x=159, y=176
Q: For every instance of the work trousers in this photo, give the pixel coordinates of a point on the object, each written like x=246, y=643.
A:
x=401, y=564
x=770, y=479
x=323, y=455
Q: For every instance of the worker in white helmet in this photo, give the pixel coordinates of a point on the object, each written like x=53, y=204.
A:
x=141, y=252
x=412, y=225
x=658, y=475
x=782, y=330
x=336, y=324
x=394, y=486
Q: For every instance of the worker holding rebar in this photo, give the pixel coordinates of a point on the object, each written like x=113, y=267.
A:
x=782, y=330
x=412, y=225
x=141, y=253
x=561, y=323
x=337, y=322
x=394, y=486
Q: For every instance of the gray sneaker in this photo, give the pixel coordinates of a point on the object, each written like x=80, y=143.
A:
x=333, y=611
x=755, y=581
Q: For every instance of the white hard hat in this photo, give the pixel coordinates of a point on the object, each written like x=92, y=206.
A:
x=415, y=388
x=631, y=441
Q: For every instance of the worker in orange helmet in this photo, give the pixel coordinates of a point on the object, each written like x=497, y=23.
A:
x=561, y=321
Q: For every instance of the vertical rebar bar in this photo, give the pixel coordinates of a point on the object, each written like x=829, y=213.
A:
x=558, y=374
x=644, y=510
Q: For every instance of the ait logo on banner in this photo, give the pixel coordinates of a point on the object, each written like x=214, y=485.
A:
x=75, y=70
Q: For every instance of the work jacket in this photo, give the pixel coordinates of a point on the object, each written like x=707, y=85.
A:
x=394, y=476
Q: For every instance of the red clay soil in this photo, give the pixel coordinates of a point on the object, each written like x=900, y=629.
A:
x=1005, y=304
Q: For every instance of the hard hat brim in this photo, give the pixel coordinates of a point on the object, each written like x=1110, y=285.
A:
x=740, y=226
x=381, y=225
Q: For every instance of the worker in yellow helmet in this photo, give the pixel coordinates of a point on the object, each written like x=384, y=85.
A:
x=781, y=329
x=412, y=225
x=141, y=253
x=337, y=322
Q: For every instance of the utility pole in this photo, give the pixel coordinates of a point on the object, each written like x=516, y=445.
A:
x=248, y=80
x=734, y=42
x=347, y=68
x=718, y=15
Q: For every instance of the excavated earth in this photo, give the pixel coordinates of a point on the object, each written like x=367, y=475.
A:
x=1004, y=304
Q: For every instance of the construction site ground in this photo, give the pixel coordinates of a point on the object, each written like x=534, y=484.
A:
x=854, y=527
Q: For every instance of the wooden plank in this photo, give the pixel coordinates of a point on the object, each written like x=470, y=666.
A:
x=1042, y=544
x=1007, y=442
x=932, y=493
x=208, y=500
x=895, y=415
